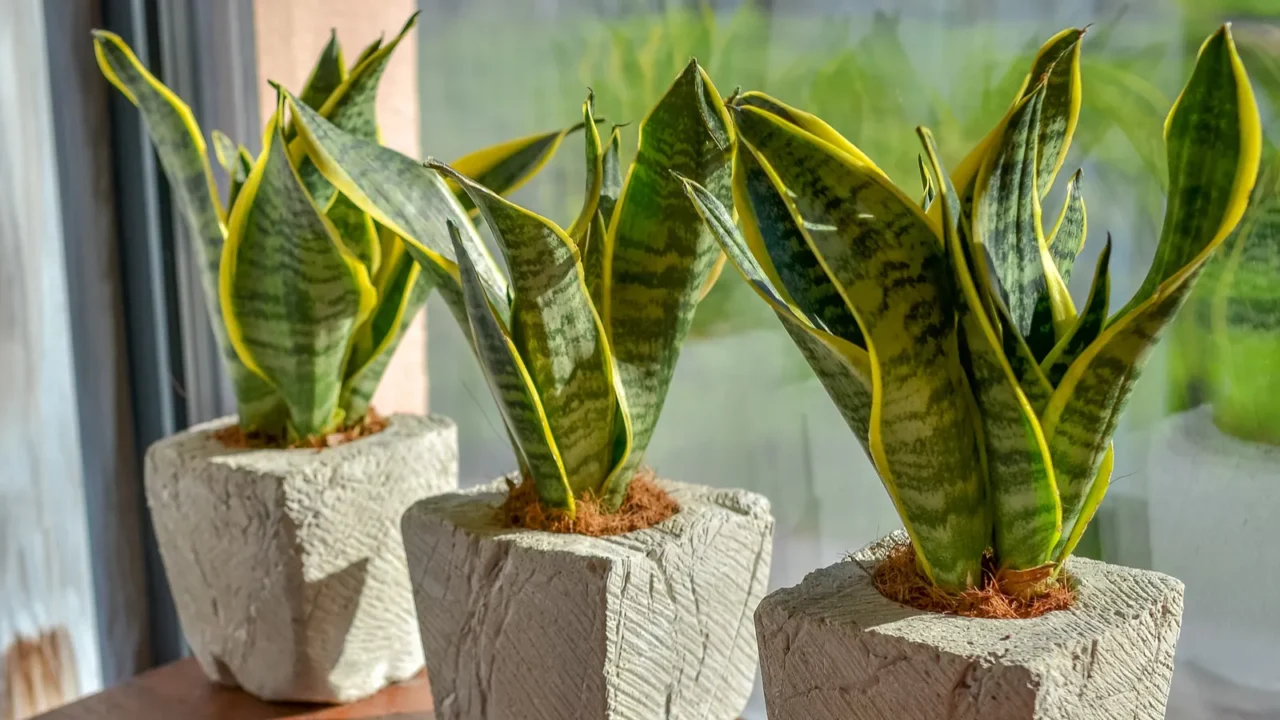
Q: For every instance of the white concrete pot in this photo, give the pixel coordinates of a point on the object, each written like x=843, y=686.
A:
x=1215, y=506
x=833, y=647
x=652, y=624
x=287, y=566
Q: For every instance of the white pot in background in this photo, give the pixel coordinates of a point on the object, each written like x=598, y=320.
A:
x=287, y=566
x=1215, y=519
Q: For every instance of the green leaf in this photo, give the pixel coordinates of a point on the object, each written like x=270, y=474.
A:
x=1058, y=63
x=356, y=230
x=1097, y=491
x=1027, y=517
x=505, y=167
x=843, y=368
x=399, y=193
x=292, y=292
x=595, y=177
x=887, y=261
x=184, y=157
x=557, y=334
x=1087, y=326
x=235, y=160
x=929, y=192
x=593, y=258
x=351, y=107
x=807, y=122
x=326, y=76
x=1213, y=140
x=517, y=399
x=1066, y=240
x=402, y=290
x=611, y=167
x=785, y=256
x=658, y=254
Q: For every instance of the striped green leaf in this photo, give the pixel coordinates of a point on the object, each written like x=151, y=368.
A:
x=235, y=160
x=180, y=146
x=843, y=368
x=887, y=261
x=292, y=292
x=595, y=177
x=505, y=167
x=326, y=76
x=511, y=385
x=1026, y=514
x=658, y=254
x=1093, y=498
x=557, y=333
x=402, y=290
x=1087, y=326
x=1213, y=143
x=786, y=257
x=928, y=190
x=356, y=230
x=593, y=257
x=399, y=193
x=1058, y=63
x=351, y=107
x=611, y=168
x=807, y=122
x=1066, y=240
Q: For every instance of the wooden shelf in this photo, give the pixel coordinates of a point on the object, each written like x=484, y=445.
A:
x=182, y=691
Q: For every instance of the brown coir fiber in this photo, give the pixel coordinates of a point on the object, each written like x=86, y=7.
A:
x=236, y=438
x=898, y=578
x=645, y=505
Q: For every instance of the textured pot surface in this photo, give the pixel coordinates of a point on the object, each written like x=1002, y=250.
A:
x=287, y=566
x=833, y=647
x=651, y=624
x=1212, y=500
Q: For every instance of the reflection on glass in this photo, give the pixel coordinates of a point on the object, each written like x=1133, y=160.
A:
x=1197, y=451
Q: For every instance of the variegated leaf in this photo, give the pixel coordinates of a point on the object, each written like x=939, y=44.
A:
x=807, y=122
x=1026, y=514
x=293, y=294
x=611, y=167
x=1087, y=326
x=928, y=190
x=184, y=157
x=593, y=257
x=887, y=261
x=595, y=178
x=1058, y=64
x=409, y=199
x=1097, y=491
x=326, y=76
x=1066, y=240
x=402, y=290
x=512, y=387
x=351, y=107
x=843, y=368
x=1213, y=141
x=784, y=254
x=658, y=254
x=557, y=333
x=505, y=167
x=356, y=229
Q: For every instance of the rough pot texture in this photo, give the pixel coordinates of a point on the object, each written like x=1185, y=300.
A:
x=651, y=624
x=287, y=566
x=833, y=647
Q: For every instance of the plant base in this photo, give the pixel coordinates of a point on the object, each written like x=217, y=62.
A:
x=654, y=623
x=287, y=566
x=833, y=647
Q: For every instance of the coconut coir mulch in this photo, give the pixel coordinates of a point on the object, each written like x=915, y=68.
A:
x=236, y=438
x=645, y=505
x=1009, y=597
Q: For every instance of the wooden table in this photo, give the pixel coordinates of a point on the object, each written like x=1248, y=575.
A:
x=180, y=691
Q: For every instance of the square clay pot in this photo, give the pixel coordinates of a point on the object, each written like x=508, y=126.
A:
x=287, y=566
x=833, y=647
x=651, y=624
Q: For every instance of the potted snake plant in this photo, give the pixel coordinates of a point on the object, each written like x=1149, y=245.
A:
x=579, y=586
x=279, y=527
x=985, y=399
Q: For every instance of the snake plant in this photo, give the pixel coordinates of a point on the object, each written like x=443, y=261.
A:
x=309, y=296
x=945, y=336
x=579, y=342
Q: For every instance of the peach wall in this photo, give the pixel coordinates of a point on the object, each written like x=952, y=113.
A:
x=290, y=35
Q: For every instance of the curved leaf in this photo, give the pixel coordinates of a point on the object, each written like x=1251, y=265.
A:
x=807, y=122
x=505, y=167
x=1058, y=63
x=356, y=230
x=887, y=261
x=1213, y=139
x=1087, y=326
x=327, y=74
x=595, y=177
x=611, y=167
x=1066, y=240
x=183, y=155
x=512, y=387
x=293, y=294
x=658, y=254
x=1027, y=517
x=557, y=333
